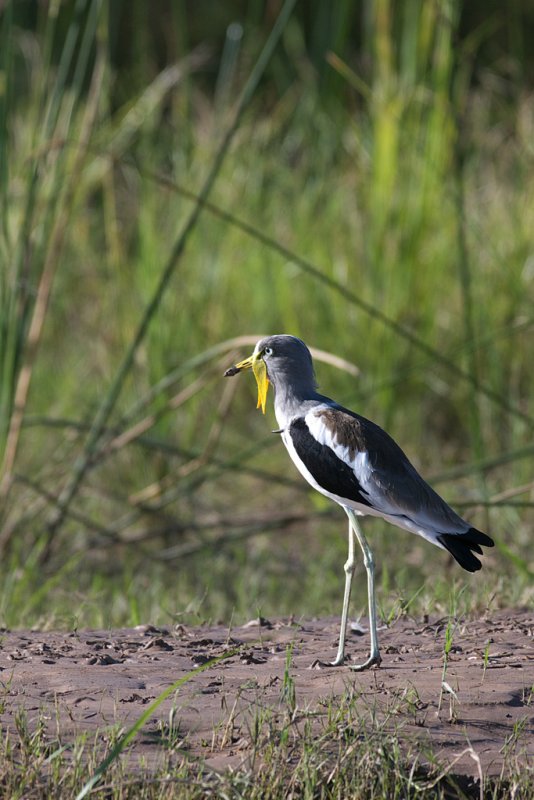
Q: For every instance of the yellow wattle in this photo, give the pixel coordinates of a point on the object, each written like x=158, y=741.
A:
x=260, y=373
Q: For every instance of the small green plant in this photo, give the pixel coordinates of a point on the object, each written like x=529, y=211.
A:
x=169, y=734
x=528, y=696
x=513, y=740
x=414, y=704
x=288, y=694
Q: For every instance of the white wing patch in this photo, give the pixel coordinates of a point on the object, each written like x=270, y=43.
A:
x=359, y=463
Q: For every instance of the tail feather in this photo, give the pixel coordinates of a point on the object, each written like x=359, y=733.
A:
x=462, y=545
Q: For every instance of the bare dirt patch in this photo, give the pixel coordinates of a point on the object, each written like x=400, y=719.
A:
x=85, y=681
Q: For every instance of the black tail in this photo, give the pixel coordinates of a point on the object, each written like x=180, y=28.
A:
x=461, y=545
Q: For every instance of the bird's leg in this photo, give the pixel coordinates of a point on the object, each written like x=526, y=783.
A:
x=349, y=572
x=368, y=560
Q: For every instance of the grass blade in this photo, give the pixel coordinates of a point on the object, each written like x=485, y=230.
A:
x=132, y=732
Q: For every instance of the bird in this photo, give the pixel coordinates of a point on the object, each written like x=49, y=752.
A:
x=355, y=463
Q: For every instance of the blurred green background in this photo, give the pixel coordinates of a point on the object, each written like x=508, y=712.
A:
x=165, y=188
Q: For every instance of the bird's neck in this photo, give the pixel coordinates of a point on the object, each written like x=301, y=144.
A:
x=290, y=403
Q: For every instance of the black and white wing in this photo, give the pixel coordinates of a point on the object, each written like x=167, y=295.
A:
x=354, y=462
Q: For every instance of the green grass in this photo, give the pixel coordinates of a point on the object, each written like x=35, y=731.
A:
x=338, y=753
x=387, y=219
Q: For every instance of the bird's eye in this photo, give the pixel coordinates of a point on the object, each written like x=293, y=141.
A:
x=268, y=351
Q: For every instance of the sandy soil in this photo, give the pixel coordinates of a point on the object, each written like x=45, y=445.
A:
x=87, y=680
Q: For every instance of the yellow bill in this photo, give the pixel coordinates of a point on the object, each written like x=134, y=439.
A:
x=257, y=364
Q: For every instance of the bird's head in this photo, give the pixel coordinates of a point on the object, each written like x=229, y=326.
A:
x=277, y=359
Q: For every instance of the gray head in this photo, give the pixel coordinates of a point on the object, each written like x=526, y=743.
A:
x=288, y=362
x=284, y=361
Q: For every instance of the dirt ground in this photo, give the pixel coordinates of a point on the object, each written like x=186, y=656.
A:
x=85, y=681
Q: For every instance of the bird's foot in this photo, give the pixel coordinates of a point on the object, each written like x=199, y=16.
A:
x=318, y=664
x=374, y=660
